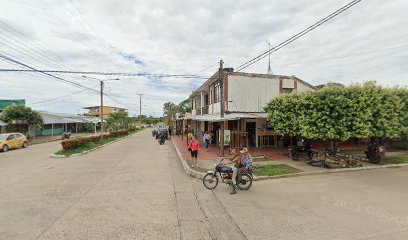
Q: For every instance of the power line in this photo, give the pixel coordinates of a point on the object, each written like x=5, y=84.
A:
x=106, y=73
x=45, y=73
x=298, y=35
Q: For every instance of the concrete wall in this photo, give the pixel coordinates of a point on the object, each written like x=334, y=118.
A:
x=301, y=87
x=250, y=94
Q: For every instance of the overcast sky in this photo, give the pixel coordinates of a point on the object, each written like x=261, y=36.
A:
x=367, y=42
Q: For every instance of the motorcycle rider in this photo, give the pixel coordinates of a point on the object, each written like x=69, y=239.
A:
x=236, y=162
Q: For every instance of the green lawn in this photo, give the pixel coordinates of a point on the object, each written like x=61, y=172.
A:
x=87, y=146
x=395, y=160
x=274, y=170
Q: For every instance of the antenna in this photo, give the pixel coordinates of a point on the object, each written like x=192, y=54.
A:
x=269, y=64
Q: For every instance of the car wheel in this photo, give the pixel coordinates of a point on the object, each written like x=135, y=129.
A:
x=5, y=148
x=25, y=144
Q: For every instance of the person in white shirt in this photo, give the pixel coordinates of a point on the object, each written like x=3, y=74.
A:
x=207, y=140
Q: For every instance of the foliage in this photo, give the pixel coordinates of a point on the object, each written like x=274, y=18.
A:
x=169, y=109
x=22, y=113
x=185, y=106
x=118, y=120
x=81, y=141
x=339, y=113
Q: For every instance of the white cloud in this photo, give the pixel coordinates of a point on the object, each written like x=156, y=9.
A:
x=180, y=37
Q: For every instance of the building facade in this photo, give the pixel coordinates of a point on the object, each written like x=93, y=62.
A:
x=245, y=96
x=95, y=111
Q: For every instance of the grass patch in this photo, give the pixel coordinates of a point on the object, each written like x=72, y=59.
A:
x=395, y=160
x=88, y=146
x=274, y=170
x=260, y=159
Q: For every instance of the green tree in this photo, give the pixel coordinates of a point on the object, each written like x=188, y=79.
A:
x=337, y=113
x=25, y=115
x=118, y=120
x=169, y=109
x=185, y=106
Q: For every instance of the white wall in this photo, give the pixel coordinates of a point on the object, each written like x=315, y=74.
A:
x=250, y=94
x=301, y=87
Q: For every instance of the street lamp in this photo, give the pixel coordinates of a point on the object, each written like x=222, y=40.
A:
x=101, y=81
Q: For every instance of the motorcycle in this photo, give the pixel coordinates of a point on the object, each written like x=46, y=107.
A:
x=211, y=179
x=373, y=153
x=66, y=135
x=162, y=139
x=296, y=152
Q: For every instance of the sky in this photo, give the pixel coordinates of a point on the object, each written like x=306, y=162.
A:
x=367, y=42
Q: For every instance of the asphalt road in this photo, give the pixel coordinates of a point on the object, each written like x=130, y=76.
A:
x=136, y=189
x=356, y=205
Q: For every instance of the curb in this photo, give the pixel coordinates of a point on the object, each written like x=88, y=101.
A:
x=193, y=173
x=200, y=175
x=88, y=151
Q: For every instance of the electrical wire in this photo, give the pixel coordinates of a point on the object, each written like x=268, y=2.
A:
x=297, y=36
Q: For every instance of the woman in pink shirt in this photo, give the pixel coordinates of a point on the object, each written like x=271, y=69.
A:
x=194, y=146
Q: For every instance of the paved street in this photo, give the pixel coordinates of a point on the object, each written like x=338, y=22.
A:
x=355, y=205
x=136, y=189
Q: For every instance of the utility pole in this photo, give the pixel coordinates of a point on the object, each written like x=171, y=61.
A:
x=221, y=77
x=140, y=107
x=269, y=66
x=101, y=110
x=101, y=104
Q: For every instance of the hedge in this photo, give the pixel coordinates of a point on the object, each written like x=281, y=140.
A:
x=79, y=142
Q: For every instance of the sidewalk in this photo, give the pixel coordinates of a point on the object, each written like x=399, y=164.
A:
x=206, y=160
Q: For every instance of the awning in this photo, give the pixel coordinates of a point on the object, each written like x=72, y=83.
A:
x=227, y=117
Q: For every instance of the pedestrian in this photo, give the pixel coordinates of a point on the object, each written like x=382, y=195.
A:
x=207, y=140
x=193, y=147
x=189, y=138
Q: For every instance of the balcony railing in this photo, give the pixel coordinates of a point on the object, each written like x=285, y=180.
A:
x=201, y=111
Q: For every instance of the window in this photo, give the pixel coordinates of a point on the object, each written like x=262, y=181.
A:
x=211, y=95
x=287, y=90
x=19, y=135
x=217, y=92
x=11, y=137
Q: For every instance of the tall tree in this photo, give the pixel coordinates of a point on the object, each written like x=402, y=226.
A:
x=169, y=109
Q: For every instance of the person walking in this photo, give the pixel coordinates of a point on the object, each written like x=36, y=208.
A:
x=207, y=140
x=194, y=146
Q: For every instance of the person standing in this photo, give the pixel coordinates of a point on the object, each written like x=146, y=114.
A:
x=194, y=146
x=207, y=140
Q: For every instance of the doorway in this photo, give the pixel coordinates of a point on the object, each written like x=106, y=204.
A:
x=251, y=129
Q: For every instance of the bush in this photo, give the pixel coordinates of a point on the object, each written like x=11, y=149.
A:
x=80, y=142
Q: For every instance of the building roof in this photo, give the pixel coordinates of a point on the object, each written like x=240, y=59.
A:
x=3, y=124
x=62, y=118
x=104, y=106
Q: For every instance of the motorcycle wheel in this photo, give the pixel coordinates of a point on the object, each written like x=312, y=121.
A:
x=294, y=155
x=311, y=154
x=210, y=181
x=375, y=160
x=245, y=183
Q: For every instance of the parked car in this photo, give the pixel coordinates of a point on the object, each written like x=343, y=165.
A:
x=160, y=132
x=12, y=140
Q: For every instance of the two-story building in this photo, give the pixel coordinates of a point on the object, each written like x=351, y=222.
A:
x=95, y=111
x=245, y=96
